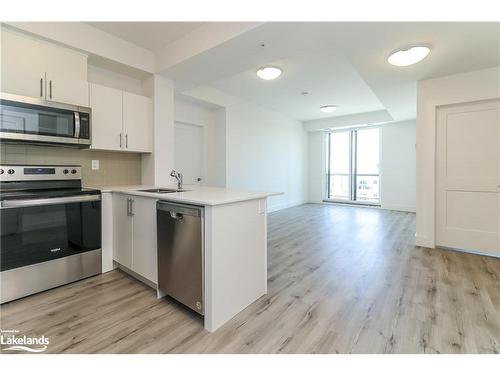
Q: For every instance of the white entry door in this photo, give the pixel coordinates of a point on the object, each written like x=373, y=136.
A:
x=468, y=177
x=188, y=152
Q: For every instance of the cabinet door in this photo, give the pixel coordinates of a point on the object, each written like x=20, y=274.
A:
x=23, y=65
x=106, y=104
x=66, y=76
x=137, y=122
x=144, y=260
x=122, y=228
x=64, y=88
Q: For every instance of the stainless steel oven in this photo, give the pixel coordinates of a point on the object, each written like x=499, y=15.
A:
x=33, y=120
x=50, y=229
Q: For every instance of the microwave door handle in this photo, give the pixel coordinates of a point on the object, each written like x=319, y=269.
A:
x=77, y=124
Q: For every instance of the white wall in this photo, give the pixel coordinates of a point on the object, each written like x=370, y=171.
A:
x=109, y=78
x=156, y=166
x=192, y=113
x=356, y=119
x=460, y=88
x=316, y=166
x=398, y=166
x=265, y=150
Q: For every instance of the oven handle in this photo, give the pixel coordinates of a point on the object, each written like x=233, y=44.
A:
x=49, y=201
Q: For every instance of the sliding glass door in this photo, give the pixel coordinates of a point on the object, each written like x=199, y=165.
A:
x=353, y=165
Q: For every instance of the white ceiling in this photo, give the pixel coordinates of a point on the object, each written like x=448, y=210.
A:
x=329, y=78
x=339, y=63
x=150, y=35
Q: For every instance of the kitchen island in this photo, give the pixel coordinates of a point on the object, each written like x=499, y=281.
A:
x=234, y=237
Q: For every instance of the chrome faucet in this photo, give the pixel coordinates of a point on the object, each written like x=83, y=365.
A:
x=178, y=177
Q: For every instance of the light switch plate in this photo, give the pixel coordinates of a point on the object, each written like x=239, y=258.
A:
x=95, y=165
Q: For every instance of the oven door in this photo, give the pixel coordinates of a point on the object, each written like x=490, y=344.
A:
x=40, y=230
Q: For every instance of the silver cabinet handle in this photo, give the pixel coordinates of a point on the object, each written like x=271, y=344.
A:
x=49, y=201
x=50, y=89
x=41, y=87
x=130, y=207
x=120, y=140
x=126, y=140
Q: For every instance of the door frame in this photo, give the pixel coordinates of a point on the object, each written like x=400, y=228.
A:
x=461, y=88
x=204, y=148
x=436, y=189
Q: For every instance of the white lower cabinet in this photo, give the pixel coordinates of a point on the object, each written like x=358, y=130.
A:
x=122, y=230
x=144, y=238
x=134, y=222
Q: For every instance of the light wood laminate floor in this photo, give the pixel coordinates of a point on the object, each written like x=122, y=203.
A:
x=341, y=280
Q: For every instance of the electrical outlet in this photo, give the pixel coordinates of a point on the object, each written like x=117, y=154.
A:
x=95, y=165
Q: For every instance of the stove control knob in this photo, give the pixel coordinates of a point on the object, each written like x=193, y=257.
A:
x=73, y=171
x=65, y=171
x=10, y=171
x=1, y=171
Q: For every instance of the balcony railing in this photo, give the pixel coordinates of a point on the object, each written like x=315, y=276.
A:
x=367, y=187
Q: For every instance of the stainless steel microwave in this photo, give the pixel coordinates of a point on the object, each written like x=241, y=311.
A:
x=31, y=120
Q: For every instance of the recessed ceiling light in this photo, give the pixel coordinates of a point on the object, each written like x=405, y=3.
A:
x=328, y=108
x=408, y=55
x=269, y=72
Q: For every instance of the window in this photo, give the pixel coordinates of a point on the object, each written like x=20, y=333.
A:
x=353, y=165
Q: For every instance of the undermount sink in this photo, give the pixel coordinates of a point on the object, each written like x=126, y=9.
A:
x=162, y=191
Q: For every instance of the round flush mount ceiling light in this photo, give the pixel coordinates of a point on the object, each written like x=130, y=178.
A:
x=408, y=55
x=269, y=73
x=328, y=108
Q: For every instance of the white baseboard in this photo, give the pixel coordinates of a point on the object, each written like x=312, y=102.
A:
x=282, y=206
x=398, y=208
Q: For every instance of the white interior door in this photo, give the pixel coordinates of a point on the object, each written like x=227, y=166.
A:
x=189, y=152
x=468, y=177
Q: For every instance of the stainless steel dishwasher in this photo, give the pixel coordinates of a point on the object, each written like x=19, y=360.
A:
x=180, y=253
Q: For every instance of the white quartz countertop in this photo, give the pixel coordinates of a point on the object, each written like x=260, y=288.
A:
x=198, y=195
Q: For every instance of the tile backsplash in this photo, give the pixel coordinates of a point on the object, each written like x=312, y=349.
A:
x=115, y=168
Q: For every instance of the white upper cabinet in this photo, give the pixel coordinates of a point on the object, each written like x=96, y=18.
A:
x=107, y=120
x=23, y=65
x=137, y=124
x=39, y=69
x=121, y=121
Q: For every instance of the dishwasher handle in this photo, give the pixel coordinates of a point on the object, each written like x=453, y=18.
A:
x=178, y=211
x=176, y=215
